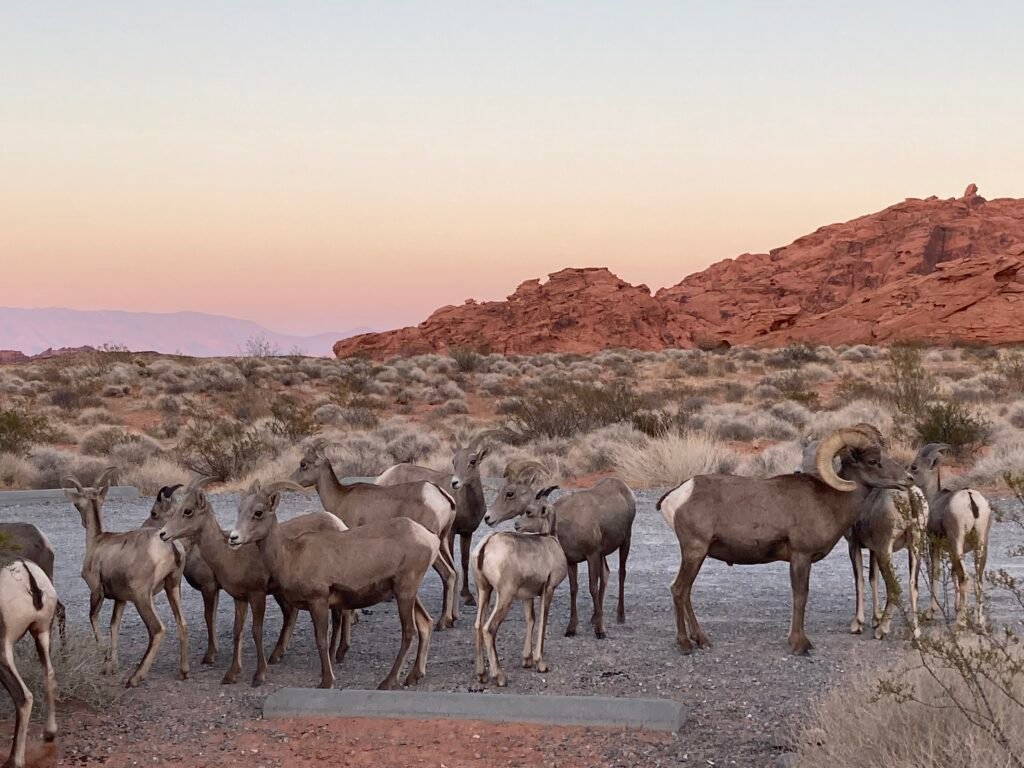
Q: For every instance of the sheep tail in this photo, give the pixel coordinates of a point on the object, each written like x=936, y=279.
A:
x=33, y=586
x=974, y=505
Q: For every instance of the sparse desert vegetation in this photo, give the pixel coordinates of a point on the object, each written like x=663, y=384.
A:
x=653, y=417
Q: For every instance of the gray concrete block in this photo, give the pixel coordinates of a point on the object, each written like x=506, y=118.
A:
x=49, y=496
x=645, y=714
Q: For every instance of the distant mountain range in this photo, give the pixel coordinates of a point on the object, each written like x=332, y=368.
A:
x=189, y=333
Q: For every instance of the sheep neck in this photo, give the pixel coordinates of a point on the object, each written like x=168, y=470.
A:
x=329, y=487
x=93, y=522
x=213, y=545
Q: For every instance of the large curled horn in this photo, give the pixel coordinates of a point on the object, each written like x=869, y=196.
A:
x=478, y=439
x=870, y=429
x=516, y=468
x=928, y=450
x=199, y=482
x=830, y=446
x=284, y=485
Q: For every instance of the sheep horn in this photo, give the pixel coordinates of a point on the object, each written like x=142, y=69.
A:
x=930, y=449
x=167, y=491
x=285, y=485
x=830, y=446
x=74, y=481
x=105, y=477
x=199, y=482
x=871, y=430
x=477, y=440
x=516, y=467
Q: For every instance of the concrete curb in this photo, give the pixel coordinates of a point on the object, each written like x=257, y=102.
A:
x=17, y=498
x=644, y=714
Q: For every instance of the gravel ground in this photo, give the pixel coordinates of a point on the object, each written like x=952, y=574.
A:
x=746, y=693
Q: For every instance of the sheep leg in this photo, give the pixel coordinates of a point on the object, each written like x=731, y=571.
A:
x=574, y=587
x=406, y=616
x=21, y=697
x=95, y=605
x=335, y=629
x=173, y=589
x=528, y=639
x=447, y=553
x=449, y=584
x=115, y=633
x=144, y=605
x=691, y=562
x=620, y=614
x=424, y=627
x=258, y=603
x=465, y=545
x=857, y=561
x=596, y=569
x=956, y=557
x=483, y=601
x=934, y=567
x=319, y=611
x=289, y=617
x=501, y=608
x=42, y=639
x=876, y=608
x=211, y=600
x=345, y=640
x=231, y=676
x=799, y=577
x=883, y=562
x=538, y=646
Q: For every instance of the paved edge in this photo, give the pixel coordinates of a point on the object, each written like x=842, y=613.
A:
x=645, y=714
x=12, y=498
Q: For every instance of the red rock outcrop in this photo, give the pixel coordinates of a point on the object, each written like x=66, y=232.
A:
x=932, y=270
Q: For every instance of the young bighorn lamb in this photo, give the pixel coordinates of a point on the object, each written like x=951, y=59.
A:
x=197, y=573
x=361, y=503
x=128, y=567
x=959, y=522
x=592, y=524
x=239, y=571
x=518, y=566
x=27, y=542
x=28, y=603
x=348, y=569
x=796, y=518
x=467, y=486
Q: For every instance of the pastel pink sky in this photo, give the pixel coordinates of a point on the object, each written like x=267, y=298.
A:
x=316, y=166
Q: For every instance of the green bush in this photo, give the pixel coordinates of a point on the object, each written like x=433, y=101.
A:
x=19, y=430
x=569, y=408
x=220, y=448
x=292, y=419
x=466, y=360
x=954, y=424
x=910, y=386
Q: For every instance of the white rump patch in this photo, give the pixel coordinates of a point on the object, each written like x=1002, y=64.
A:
x=440, y=502
x=674, y=501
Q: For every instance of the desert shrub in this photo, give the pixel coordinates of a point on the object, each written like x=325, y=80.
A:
x=360, y=456
x=95, y=416
x=100, y=441
x=793, y=385
x=153, y=473
x=853, y=387
x=466, y=360
x=859, y=353
x=1001, y=458
x=855, y=412
x=695, y=364
x=954, y=424
x=75, y=397
x=292, y=419
x=734, y=391
x=452, y=407
x=218, y=447
x=668, y=461
x=115, y=390
x=779, y=459
x=1015, y=414
x=16, y=471
x=218, y=377
x=411, y=446
x=19, y=430
x=1011, y=368
x=793, y=412
x=595, y=451
x=909, y=384
x=570, y=408
x=793, y=356
x=742, y=424
x=53, y=465
x=972, y=389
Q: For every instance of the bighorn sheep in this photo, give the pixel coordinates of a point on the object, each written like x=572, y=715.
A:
x=796, y=518
x=888, y=522
x=470, y=505
x=28, y=603
x=27, y=542
x=128, y=567
x=959, y=521
x=592, y=524
x=361, y=503
x=518, y=566
x=197, y=573
x=348, y=569
x=238, y=571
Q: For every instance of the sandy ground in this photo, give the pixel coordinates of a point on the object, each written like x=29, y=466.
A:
x=746, y=693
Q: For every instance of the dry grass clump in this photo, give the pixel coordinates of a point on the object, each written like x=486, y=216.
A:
x=855, y=727
x=52, y=465
x=670, y=460
x=17, y=472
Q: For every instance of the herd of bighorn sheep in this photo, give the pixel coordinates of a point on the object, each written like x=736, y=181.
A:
x=374, y=542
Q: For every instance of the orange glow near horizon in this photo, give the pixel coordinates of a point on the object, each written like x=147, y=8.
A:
x=348, y=165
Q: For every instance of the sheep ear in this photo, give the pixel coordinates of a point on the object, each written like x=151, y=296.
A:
x=274, y=499
x=543, y=493
x=482, y=453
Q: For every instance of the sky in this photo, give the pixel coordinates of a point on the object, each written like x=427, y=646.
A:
x=317, y=166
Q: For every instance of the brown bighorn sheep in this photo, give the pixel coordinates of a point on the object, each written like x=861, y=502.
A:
x=238, y=571
x=28, y=603
x=348, y=569
x=197, y=573
x=361, y=503
x=27, y=542
x=518, y=566
x=959, y=522
x=592, y=524
x=129, y=567
x=468, y=488
x=883, y=527
x=796, y=518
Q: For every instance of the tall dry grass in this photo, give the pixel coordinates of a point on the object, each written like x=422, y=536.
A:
x=672, y=459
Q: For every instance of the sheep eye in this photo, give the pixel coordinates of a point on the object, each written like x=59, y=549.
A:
x=510, y=494
x=472, y=462
x=187, y=513
x=258, y=514
x=302, y=465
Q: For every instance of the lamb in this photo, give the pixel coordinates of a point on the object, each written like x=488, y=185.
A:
x=796, y=518
x=518, y=566
x=959, y=522
x=361, y=503
x=592, y=524
x=28, y=603
x=128, y=567
x=348, y=569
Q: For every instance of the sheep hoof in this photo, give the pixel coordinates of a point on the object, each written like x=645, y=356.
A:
x=132, y=682
x=49, y=736
x=527, y=662
x=620, y=619
x=275, y=659
x=183, y=674
x=500, y=680
x=600, y=634
x=856, y=628
x=570, y=632
x=542, y=667
x=386, y=685
x=209, y=659
x=258, y=681
x=469, y=600
x=482, y=676
x=229, y=679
